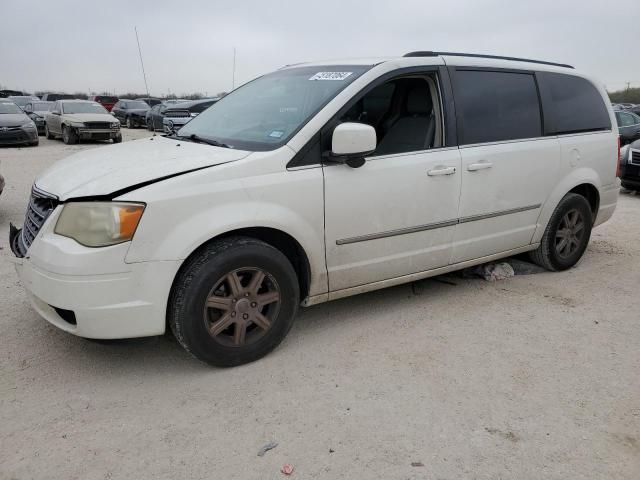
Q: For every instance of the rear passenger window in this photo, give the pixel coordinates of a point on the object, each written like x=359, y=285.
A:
x=497, y=106
x=572, y=104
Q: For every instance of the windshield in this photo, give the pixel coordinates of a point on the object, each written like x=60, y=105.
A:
x=104, y=99
x=9, y=108
x=265, y=113
x=42, y=106
x=83, y=107
x=137, y=104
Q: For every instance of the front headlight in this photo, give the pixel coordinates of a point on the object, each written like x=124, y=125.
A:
x=99, y=224
x=28, y=126
x=77, y=124
x=115, y=124
x=194, y=114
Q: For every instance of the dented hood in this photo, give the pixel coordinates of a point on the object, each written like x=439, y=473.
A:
x=105, y=170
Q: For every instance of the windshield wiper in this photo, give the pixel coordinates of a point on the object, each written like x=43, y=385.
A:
x=195, y=138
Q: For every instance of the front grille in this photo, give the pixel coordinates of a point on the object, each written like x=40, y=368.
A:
x=177, y=113
x=15, y=135
x=40, y=207
x=634, y=157
x=97, y=125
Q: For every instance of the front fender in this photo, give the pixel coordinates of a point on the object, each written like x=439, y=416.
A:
x=173, y=227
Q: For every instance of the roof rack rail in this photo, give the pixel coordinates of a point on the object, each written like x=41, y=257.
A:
x=478, y=55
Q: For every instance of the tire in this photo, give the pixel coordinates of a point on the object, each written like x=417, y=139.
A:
x=47, y=133
x=128, y=122
x=117, y=139
x=562, y=244
x=69, y=137
x=150, y=125
x=208, y=275
x=35, y=143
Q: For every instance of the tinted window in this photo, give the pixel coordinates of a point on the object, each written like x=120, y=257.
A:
x=572, y=104
x=626, y=119
x=496, y=106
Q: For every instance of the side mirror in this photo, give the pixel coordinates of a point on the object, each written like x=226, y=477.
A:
x=350, y=143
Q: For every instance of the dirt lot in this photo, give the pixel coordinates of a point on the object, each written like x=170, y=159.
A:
x=533, y=377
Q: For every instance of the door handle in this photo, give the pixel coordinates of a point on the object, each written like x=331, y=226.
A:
x=482, y=165
x=441, y=171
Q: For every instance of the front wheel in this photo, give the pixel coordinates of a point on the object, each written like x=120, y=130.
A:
x=117, y=138
x=69, y=137
x=567, y=234
x=47, y=133
x=233, y=301
x=129, y=123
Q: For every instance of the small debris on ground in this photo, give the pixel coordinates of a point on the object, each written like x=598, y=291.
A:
x=417, y=464
x=266, y=448
x=331, y=450
x=287, y=469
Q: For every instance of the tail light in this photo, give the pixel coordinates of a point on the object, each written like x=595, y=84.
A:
x=619, y=160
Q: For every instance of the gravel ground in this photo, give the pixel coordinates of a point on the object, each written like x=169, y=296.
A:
x=532, y=377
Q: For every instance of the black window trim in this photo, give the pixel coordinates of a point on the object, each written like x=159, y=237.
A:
x=460, y=120
x=446, y=104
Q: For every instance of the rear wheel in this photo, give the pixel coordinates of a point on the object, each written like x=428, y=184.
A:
x=234, y=301
x=129, y=123
x=69, y=136
x=567, y=234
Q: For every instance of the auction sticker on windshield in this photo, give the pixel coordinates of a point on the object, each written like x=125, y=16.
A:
x=330, y=75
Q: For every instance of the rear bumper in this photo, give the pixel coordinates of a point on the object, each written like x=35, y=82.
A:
x=608, y=201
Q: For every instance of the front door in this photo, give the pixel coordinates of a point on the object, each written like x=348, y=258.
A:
x=396, y=214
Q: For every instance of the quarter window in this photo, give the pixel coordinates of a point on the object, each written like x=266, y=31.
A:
x=572, y=104
x=497, y=106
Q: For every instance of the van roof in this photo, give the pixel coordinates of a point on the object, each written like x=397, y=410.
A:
x=450, y=58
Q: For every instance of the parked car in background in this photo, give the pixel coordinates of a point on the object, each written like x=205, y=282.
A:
x=52, y=97
x=16, y=128
x=107, y=101
x=273, y=199
x=4, y=93
x=173, y=101
x=156, y=114
x=36, y=111
x=151, y=101
x=628, y=126
x=132, y=113
x=76, y=120
x=154, y=117
x=630, y=166
x=176, y=116
x=22, y=100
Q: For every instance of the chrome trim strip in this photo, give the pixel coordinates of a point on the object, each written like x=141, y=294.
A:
x=400, y=231
x=433, y=226
x=473, y=218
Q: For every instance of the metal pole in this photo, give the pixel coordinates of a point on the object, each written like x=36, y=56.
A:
x=144, y=75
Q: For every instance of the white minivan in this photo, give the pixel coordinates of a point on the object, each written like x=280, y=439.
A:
x=316, y=182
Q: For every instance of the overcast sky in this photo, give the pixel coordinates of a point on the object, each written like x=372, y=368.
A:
x=187, y=45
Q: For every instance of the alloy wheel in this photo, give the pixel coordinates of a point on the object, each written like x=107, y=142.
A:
x=569, y=233
x=241, y=307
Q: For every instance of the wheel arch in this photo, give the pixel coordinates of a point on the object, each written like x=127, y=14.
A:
x=585, y=182
x=278, y=239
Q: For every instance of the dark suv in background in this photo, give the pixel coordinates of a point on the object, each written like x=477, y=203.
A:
x=630, y=166
x=180, y=114
x=131, y=113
